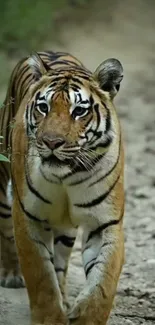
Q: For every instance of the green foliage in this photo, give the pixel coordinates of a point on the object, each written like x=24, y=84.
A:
x=24, y=23
x=4, y=158
x=6, y=68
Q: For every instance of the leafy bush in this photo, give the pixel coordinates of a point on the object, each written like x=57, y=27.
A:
x=26, y=23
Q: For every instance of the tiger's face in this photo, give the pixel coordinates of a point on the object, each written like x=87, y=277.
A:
x=69, y=118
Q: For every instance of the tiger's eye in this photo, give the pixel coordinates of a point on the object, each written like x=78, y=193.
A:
x=43, y=108
x=79, y=111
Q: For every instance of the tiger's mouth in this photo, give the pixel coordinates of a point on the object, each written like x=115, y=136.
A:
x=65, y=156
x=80, y=160
x=52, y=159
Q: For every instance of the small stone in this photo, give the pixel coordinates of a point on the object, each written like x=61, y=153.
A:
x=151, y=261
x=129, y=322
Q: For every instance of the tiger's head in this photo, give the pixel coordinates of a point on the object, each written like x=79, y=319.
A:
x=69, y=112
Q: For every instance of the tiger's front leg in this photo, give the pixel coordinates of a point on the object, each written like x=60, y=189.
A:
x=36, y=259
x=63, y=244
x=103, y=252
x=10, y=273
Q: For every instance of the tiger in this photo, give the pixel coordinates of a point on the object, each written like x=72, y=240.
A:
x=63, y=137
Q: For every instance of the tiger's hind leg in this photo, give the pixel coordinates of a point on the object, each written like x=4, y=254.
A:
x=63, y=244
x=10, y=274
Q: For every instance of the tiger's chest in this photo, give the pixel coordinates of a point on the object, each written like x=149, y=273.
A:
x=46, y=201
x=55, y=203
x=62, y=204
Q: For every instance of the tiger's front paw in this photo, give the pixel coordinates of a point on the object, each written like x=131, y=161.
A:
x=50, y=315
x=89, y=310
x=85, y=316
x=11, y=279
x=78, y=315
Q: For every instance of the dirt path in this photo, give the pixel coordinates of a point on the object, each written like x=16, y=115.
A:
x=126, y=32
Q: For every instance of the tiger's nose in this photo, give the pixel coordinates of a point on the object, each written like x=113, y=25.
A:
x=53, y=143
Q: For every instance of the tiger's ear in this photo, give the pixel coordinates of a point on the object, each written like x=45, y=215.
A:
x=109, y=74
x=38, y=66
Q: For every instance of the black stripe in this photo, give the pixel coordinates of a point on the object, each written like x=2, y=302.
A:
x=93, y=259
x=108, y=120
x=43, y=244
x=96, y=108
x=6, y=172
x=106, y=143
x=75, y=87
x=77, y=80
x=61, y=62
x=37, y=96
x=24, y=80
x=103, y=227
x=91, y=266
x=46, y=54
x=21, y=74
x=29, y=215
x=26, y=117
x=89, y=120
x=99, y=199
x=65, y=240
x=79, y=169
x=2, y=188
x=85, y=102
x=49, y=180
x=106, y=244
x=55, y=79
x=111, y=170
x=59, y=269
x=34, y=191
x=27, y=88
x=5, y=215
x=5, y=206
x=53, y=84
x=83, y=76
x=79, y=97
x=52, y=260
x=72, y=63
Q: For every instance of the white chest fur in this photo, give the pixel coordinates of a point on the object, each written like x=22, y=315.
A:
x=61, y=202
x=46, y=199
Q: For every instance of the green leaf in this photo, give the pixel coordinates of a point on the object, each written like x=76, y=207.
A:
x=1, y=137
x=3, y=158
